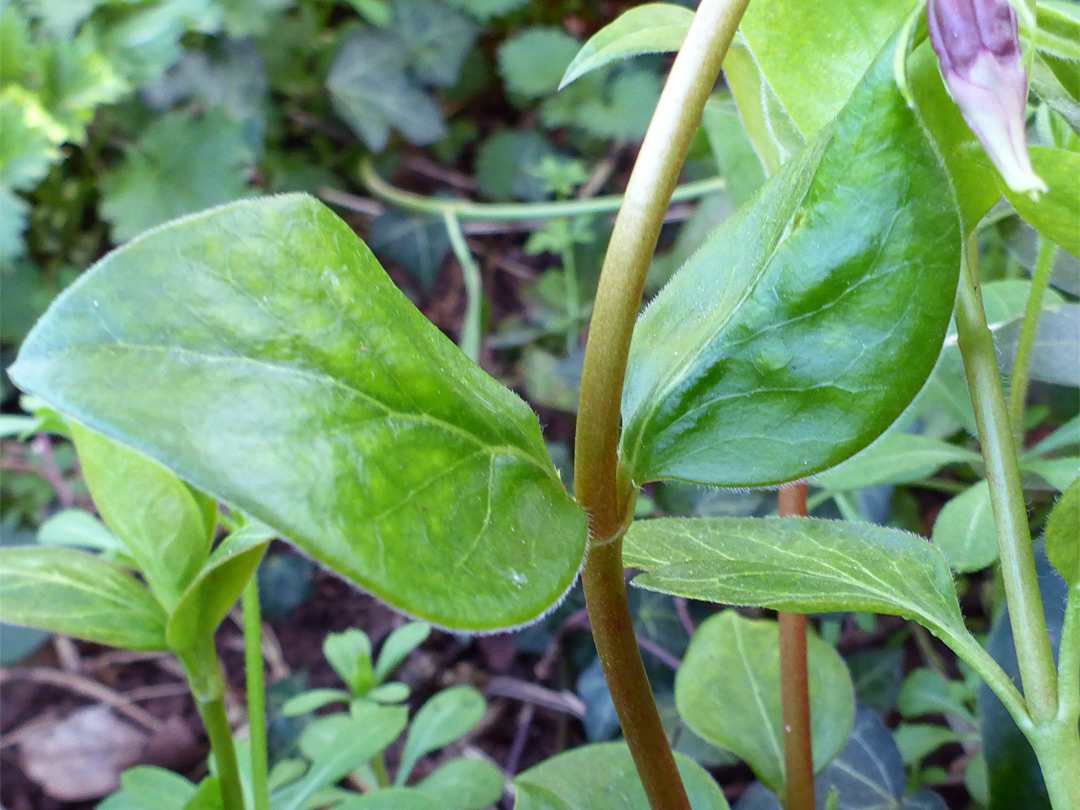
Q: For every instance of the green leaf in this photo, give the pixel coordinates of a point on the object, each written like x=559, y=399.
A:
x=180, y=164
x=487, y=9
x=437, y=39
x=602, y=777
x=926, y=691
x=371, y=92
x=312, y=700
x=14, y=215
x=145, y=787
x=397, y=647
x=648, y=28
x=349, y=655
x=763, y=359
x=78, y=594
x=623, y=111
x=1054, y=213
x=392, y=692
x=261, y=352
x=964, y=530
x=1058, y=31
x=29, y=145
x=465, y=784
x=158, y=521
x=212, y=594
x=916, y=741
x=1063, y=534
x=418, y=243
x=1055, y=357
x=533, y=61
x=339, y=744
x=505, y=164
x=732, y=149
x=1057, y=472
x=77, y=527
x=839, y=38
x=1048, y=86
x=448, y=716
x=896, y=458
x=395, y=798
x=800, y=565
x=728, y=691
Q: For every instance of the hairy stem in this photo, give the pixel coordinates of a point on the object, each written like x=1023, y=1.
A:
x=1044, y=265
x=256, y=693
x=795, y=685
x=605, y=493
x=467, y=211
x=207, y=686
x=1022, y=591
x=469, y=340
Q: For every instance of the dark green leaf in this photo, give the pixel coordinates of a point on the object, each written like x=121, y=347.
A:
x=648, y=28
x=763, y=359
x=869, y=772
x=78, y=594
x=419, y=244
x=179, y=165
x=261, y=352
x=486, y=9
x=1063, y=534
x=448, y=716
x=927, y=691
x=506, y=164
x=218, y=585
x=371, y=92
x=602, y=777
x=437, y=39
x=534, y=60
x=728, y=692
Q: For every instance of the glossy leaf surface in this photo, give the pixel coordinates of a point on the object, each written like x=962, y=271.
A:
x=1063, y=534
x=261, y=352
x=800, y=565
x=796, y=44
x=809, y=320
x=728, y=691
x=81, y=595
x=648, y=28
x=155, y=516
x=218, y=585
x=602, y=777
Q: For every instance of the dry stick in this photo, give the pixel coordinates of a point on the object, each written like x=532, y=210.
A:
x=601, y=487
x=794, y=684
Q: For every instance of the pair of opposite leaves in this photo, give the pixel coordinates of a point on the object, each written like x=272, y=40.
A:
x=261, y=352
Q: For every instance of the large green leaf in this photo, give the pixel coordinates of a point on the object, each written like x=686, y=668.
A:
x=796, y=44
x=728, y=691
x=215, y=590
x=261, y=352
x=81, y=595
x=803, y=565
x=648, y=28
x=809, y=320
x=602, y=777
x=155, y=516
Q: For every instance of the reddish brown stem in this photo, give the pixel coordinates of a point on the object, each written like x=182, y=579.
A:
x=794, y=685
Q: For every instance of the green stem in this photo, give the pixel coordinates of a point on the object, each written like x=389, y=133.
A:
x=1022, y=591
x=207, y=686
x=378, y=765
x=470, y=272
x=606, y=494
x=1059, y=754
x=573, y=298
x=466, y=210
x=256, y=693
x=795, y=685
x=1044, y=265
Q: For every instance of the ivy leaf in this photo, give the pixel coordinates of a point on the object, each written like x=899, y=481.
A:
x=533, y=61
x=437, y=38
x=261, y=352
x=419, y=244
x=181, y=164
x=505, y=164
x=773, y=368
x=372, y=93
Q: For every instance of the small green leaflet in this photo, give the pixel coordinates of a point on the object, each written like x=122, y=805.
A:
x=261, y=352
x=1063, y=534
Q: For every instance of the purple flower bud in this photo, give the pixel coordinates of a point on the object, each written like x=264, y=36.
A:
x=978, y=47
